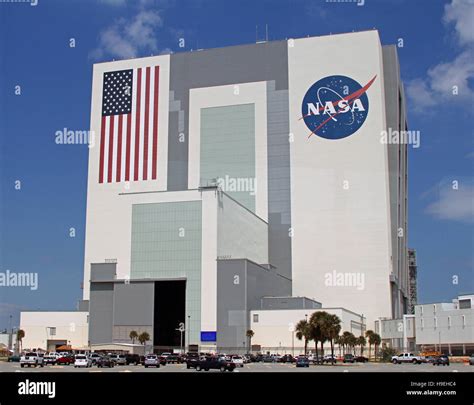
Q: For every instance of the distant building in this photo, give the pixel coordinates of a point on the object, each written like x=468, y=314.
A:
x=444, y=327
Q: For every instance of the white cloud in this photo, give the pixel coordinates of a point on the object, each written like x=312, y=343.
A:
x=438, y=85
x=128, y=38
x=455, y=205
x=461, y=13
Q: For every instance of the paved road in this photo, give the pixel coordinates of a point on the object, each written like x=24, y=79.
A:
x=253, y=367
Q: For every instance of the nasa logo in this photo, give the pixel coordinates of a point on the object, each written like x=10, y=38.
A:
x=335, y=107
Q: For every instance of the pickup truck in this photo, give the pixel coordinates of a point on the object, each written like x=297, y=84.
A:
x=31, y=359
x=407, y=358
x=214, y=363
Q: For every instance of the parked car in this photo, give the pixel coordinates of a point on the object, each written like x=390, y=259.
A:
x=442, y=360
x=238, y=361
x=268, y=359
x=287, y=358
x=119, y=359
x=214, y=363
x=406, y=358
x=329, y=358
x=31, y=359
x=165, y=354
x=257, y=358
x=94, y=357
x=152, y=360
x=430, y=359
x=14, y=358
x=471, y=360
x=105, y=361
x=172, y=358
x=361, y=359
x=348, y=358
x=81, y=360
x=192, y=359
x=132, y=359
x=302, y=361
x=65, y=360
x=49, y=359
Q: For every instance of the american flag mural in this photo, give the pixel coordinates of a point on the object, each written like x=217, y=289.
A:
x=129, y=125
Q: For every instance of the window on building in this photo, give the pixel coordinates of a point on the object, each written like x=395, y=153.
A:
x=421, y=310
x=435, y=322
x=422, y=323
x=255, y=318
x=52, y=331
x=465, y=304
x=434, y=309
x=463, y=321
x=449, y=321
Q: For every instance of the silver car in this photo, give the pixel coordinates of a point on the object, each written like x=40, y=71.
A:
x=152, y=360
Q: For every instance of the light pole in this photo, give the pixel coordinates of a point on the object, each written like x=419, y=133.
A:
x=188, y=327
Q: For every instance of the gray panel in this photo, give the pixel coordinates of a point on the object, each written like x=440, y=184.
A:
x=103, y=271
x=217, y=67
x=289, y=303
x=279, y=179
x=101, y=312
x=134, y=303
x=234, y=301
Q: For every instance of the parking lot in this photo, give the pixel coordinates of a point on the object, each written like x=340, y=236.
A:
x=252, y=367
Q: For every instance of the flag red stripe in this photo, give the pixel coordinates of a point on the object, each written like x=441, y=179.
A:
x=119, y=149
x=127, y=152
x=137, y=123
x=111, y=148
x=155, y=121
x=147, y=118
x=102, y=147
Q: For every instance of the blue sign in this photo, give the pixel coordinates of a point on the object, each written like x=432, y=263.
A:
x=335, y=107
x=208, y=336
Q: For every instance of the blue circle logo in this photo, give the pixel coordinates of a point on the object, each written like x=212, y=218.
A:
x=335, y=107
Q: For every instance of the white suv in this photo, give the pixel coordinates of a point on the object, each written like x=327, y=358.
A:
x=81, y=360
x=31, y=359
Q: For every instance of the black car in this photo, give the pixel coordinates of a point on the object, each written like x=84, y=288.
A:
x=302, y=361
x=287, y=358
x=192, y=359
x=214, y=363
x=268, y=359
x=173, y=359
x=348, y=358
x=442, y=360
x=256, y=358
x=105, y=361
x=132, y=359
x=361, y=359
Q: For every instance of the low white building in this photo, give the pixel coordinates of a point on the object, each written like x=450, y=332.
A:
x=48, y=330
x=274, y=328
x=447, y=327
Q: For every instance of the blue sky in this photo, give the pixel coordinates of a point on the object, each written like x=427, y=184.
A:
x=55, y=90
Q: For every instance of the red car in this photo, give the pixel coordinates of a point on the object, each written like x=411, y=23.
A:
x=65, y=360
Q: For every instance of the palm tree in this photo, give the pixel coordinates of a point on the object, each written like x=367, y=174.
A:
x=333, y=327
x=133, y=335
x=338, y=341
x=346, y=341
x=303, y=331
x=376, y=341
x=368, y=334
x=316, y=322
x=143, y=338
x=351, y=342
x=20, y=334
x=361, y=341
x=250, y=334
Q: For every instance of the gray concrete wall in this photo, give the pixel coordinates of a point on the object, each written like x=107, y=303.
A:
x=240, y=286
x=101, y=312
